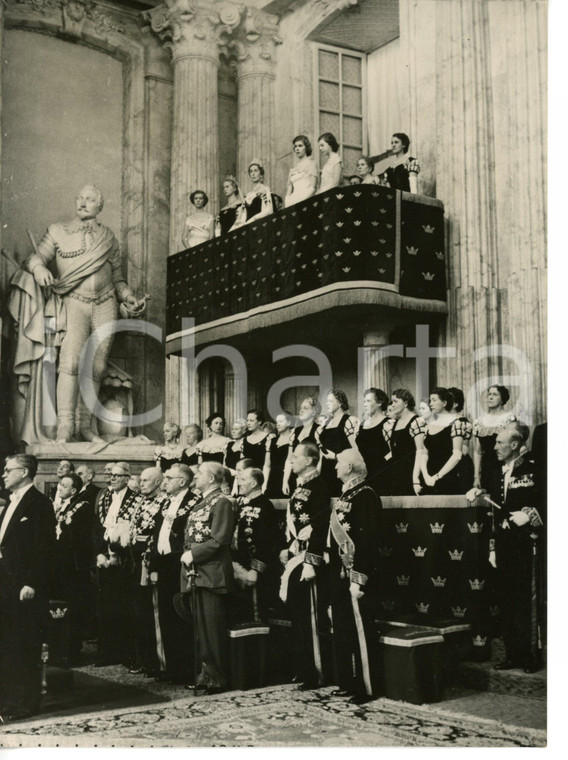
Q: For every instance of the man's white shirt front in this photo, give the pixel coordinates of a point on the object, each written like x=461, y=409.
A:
x=112, y=515
x=164, y=534
x=15, y=499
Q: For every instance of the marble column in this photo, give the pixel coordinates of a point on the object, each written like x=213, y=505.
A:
x=235, y=397
x=373, y=369
x=254, y=51
x=193, y=30
x=465, y=181
x=491, y=175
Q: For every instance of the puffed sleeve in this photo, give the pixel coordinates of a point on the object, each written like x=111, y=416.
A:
x=351, y=426
x=461, y=429
x=417, y=427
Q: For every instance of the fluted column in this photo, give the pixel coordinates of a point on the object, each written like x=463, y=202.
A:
x=193, y=30
x=235, y=398
x=373, y=363
x=254, y=51
x=465, y=181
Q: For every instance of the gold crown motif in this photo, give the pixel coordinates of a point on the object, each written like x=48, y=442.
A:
x=438, y=582
x=428, y=276
x=412, y=251
x=428, y=228
x=479, y=641
x=476, y=585
x=456, y=555
x=401, y=528
x=493, y=610
x=439, y=254
x=437, y=528
x=388, y=605
x=402, y=580
x=58, y=613
x=475, y=528
x=459, y=612
x=422, y=608
x=419, y=551
x=385, y=551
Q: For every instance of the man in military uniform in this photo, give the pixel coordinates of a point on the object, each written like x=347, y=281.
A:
x=354, y=536
x=148, y=504
x=519, y=527
x=254, y=547
x=208, y=535
x=303, y=582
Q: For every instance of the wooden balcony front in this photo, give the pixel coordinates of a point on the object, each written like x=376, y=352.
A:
x=351, y=246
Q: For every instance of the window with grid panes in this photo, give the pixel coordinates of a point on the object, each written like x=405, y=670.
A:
x=341, y=99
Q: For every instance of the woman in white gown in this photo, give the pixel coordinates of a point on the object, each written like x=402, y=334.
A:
x=303, y=177
x=199, y=225
x=331, y=171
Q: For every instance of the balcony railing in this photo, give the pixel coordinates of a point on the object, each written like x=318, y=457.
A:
x=366, y=235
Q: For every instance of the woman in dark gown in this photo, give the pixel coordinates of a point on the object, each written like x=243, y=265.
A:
x=443, y=446
x=465, y=467
x=231, y=212
x=212, y=449
x=278, y=447
x=254, y=443
x=401, y=175
x=371, y=440
x=234, y=450
x=485, y=429
x=406, y=444
x=335, y=435
x=305, y=432
x=170, y=453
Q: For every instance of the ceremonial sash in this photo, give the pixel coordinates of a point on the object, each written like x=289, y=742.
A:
x=342, y=538
x=290, y=566
x=362, y=645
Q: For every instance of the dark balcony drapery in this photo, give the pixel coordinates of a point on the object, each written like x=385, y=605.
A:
x=354, y=234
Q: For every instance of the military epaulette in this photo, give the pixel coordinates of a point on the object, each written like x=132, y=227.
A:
x=302, y=494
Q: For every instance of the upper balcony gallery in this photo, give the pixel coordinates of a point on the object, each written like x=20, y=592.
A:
x=367, y=244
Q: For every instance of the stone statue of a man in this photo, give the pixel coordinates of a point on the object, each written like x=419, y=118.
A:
x=87, y=289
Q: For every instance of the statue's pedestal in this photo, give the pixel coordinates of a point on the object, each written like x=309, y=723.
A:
x=138, y=453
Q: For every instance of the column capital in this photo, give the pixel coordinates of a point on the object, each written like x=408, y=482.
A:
x=253, y=47
x=194, y=28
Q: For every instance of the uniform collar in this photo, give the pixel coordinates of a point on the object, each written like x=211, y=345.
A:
x=306, y=478
x=252, y=495
x=350, y=484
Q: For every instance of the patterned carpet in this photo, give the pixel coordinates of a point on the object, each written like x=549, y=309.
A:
x=273, y=716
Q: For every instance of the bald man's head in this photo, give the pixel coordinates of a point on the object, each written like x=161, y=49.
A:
x=150, y=481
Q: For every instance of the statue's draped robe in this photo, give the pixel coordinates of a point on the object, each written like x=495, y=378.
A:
x=41, y=325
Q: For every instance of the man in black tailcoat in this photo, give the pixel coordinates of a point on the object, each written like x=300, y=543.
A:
x=354, y=537
x=27, y=535
x=73, y=558
x=303, y=585
x=114, y=564
x=519, y=527
x=166, y=549
x=90, y=491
